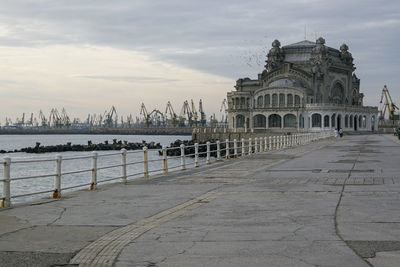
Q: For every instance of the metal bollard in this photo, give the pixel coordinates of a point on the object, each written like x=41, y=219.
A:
x=183, y=167
x=57, y=178
x=227, y=149
x=145, y=163
x=123, y=163
x=256, y=145
x=208, y=153
x=164, y=158
x=6, y=201
x=250, y=146
x=93, y=180
x=235, y=150
x=196, y=155
x=243, y=147
x=218, y=150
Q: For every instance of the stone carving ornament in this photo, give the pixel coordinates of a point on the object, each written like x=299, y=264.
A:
x=275, y=56
x=345, y=55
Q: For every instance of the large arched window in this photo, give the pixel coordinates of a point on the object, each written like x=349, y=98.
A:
x=259, y=121
x=239, y=121
x=337, y=93
x=260, y=103
x=346, y=121
x=274, y=121
x=351, y=121
x=289, y=120
x=290, y=100
x=267, y=101
x=333, y=121
x=281, y=100
x=297, y=100
x=316, y=120
x=326, y=121
x=274, y=100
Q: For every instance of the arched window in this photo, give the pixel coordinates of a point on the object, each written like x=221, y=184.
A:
x=274, y=100
x=267, y=101
x=239, y=121
x=281, y=100
x=359, y=121
x=297, y=100
x=326, y=121
x=260, y=103
x=364, y=121
x=337, y=93
x=351, y=121
x=290, y=100
x=333, y=121
x=259, y=121
x=289, y=120
x=275, y=121
x=316, y=120
x=346, y=121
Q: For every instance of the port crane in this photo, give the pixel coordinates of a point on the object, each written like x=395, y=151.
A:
x=387, y=106
x=185, y=115
x=146, y=117
x=203, y=119
x=170, y=115
x=111, y=118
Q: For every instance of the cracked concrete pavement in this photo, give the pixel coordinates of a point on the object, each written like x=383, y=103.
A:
x=330, y=203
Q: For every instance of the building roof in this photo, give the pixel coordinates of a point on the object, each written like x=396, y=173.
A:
x=302, y=43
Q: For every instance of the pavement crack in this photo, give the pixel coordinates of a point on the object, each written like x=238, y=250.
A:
x=58, y=218
x=337, y=231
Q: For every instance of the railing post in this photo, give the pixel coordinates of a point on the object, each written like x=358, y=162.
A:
x=235, y=150
x=57, y=178
x=93, y=180
x=183, y=167
x=218, y=150
x=208, y=153
x=196, y=155
x=265, y=144
x=250, y=146
x=227, y=149
x=281, y=144
x=270, y=142
x=164, y=158
x=284, y=142
x=145, y=163
x=123, y=163
x=6, y=201
x=243, y=147
x=256, y=145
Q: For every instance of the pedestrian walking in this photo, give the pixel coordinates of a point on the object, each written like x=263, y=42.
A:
x=335, y=133
x=341, y=132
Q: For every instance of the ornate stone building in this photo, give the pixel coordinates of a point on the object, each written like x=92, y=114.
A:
x=304, y=86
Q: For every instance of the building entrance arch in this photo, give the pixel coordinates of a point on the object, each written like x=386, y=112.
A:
x=355, y=123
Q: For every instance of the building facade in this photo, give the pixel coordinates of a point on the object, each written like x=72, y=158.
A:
x=305, y=86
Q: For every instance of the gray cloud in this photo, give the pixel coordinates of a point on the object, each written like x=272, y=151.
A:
x=131, y=79
x=228, y=38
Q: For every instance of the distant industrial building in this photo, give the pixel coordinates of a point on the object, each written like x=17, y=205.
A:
x=305, y=86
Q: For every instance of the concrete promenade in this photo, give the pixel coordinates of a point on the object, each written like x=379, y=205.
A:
x=334, y=202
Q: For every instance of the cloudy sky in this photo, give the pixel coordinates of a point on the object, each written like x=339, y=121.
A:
x=89, y=55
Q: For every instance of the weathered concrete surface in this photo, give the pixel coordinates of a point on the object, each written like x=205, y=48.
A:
x=330, y=203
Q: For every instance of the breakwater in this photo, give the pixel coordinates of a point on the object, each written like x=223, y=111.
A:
x=115, y=145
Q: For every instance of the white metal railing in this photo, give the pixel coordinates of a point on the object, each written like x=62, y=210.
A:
x=226, y=149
